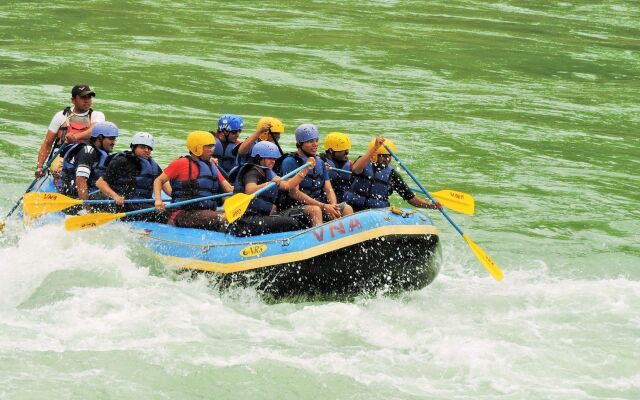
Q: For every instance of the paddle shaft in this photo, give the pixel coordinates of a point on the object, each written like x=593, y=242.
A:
x=177, y=205
x=289, y=175
x=346, y=171
x=52, y=155
x=425, y=191
x=131, y=201
x=223, y=171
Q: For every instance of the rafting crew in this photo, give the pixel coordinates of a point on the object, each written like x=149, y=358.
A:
x=83, y=164
x=268, y=129
x=71, y=125
x=374, y=180
x=262, y=215
x=229, y=129
x=130, y=175
x=336, y=156
x=315, y=189
x=193, y=176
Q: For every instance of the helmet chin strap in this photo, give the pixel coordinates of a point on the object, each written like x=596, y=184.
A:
x=275, y=141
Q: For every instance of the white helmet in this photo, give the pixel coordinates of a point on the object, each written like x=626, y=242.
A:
x=142, y=138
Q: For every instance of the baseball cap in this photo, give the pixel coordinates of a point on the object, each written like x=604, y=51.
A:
x=82, y=90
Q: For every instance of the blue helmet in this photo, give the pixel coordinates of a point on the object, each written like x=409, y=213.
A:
x=230, y=122
x=104, y=128
x=306, y=132
x=265, y=149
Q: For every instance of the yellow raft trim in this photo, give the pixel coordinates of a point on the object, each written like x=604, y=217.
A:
x=261, y=262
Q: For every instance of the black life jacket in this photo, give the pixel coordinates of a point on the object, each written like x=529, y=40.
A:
x=142, y=182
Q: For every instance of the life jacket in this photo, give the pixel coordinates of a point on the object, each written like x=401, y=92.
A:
x=225, y=155
x=369, y=189
x=206, y=184
x=74, y=123
x=142, y=183
x=68, y=174
x=263, y=203
x=341, y=181
x=313, y=183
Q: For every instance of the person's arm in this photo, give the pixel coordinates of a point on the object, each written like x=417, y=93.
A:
x=226, y=186
x=49, y=139
x=398, y=184
x=82, y=188
x=104, y=187
x=166, y=187
x=158, y=184
x=419, y=202
x=45, y=148
x=244, y=147
x=86, y=161
x=359, y=165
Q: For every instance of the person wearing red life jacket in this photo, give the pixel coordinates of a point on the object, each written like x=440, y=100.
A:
x=193, y=176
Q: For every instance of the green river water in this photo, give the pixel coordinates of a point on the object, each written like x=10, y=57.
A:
x=532, y=107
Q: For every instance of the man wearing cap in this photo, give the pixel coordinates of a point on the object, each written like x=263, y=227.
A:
x=73, y=124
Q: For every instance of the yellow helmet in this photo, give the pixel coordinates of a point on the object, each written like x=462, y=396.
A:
x=337, y=141
x=197, y=140
x=381, y=149
x=276, y=126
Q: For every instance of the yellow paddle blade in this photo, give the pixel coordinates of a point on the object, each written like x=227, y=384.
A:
x=236, y=205
x=36, y=204
x=90, y=220
x=484, y=258
x=456, y=201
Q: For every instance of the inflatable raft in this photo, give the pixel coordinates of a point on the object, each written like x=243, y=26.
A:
x=390, y=250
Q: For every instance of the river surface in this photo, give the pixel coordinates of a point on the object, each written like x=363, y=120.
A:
x=532, y=107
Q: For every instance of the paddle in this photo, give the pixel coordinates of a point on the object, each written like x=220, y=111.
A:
x=236, y=205
x=45, y=168
x=96, y=219
x=483, y=257
x=457, y=201
x=39, y=203
x=452, y=199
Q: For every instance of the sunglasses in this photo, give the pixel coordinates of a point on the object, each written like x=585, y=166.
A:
x=86, y=96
